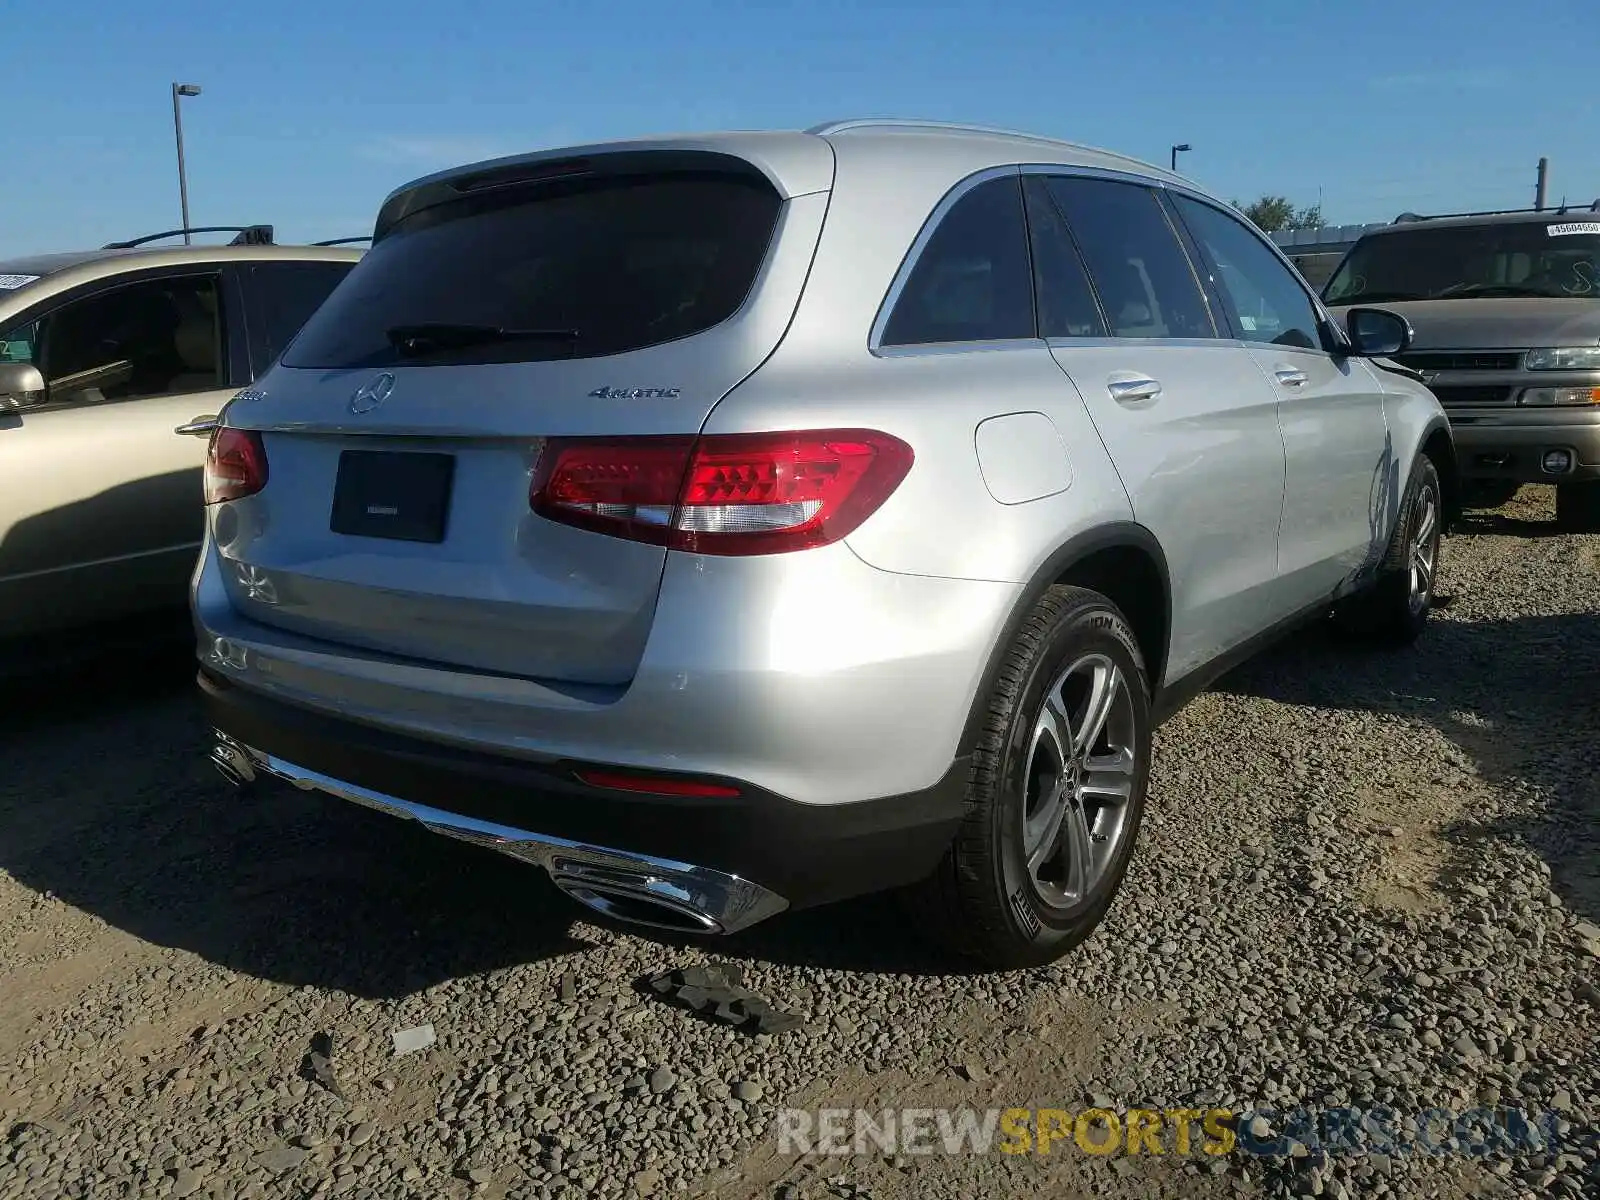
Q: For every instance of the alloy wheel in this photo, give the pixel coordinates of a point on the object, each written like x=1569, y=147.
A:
x=1424, y=548
x=1079, y=779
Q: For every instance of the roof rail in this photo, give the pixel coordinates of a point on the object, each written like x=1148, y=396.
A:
x=845, y=126
x=344, y=241
x=1407, y=217
x=831, y=127
x=249, y=235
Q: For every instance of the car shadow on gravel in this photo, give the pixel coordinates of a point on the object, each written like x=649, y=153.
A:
x=870, y=935
x=108, y=804
x=1504, y=525
x=1520, y=697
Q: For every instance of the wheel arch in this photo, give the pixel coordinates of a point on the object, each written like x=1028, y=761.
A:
x=1123, y=562
x=1440, y=447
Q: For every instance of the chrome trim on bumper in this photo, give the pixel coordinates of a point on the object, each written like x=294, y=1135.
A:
x=637, y=888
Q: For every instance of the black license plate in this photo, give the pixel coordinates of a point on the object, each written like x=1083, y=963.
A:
x=389, y=494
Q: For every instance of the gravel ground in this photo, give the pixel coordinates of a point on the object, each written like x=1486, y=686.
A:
x=1365, y=880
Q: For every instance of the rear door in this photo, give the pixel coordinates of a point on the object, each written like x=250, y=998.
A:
x=1330, y=409
x=101, y=512
x=1186, y=416
x=624, y=296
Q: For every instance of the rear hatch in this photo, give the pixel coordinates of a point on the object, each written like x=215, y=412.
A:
x=614, y=295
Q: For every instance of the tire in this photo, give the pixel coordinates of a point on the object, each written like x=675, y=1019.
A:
x=1578, y=507
x=984, y=901
x=1393, y=611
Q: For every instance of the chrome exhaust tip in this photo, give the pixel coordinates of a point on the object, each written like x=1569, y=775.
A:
x=636, y=904
x=232, y=762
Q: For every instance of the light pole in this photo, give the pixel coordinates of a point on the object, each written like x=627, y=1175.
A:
x=180, y=90
x=1177, y=150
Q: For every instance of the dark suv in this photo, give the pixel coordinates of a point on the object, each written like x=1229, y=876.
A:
x=1506, y=313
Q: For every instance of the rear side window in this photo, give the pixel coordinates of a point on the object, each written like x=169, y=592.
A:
x=570, y=269
x=286, y=294
x=1140, y=270
x=972, y=281
x=1067, y=305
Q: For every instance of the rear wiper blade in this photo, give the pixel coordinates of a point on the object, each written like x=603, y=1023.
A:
x=421, y=339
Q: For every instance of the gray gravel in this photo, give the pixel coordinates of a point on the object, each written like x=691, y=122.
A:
x=1365, y=880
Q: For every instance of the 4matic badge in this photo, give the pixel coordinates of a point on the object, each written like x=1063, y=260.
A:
x=654, y=393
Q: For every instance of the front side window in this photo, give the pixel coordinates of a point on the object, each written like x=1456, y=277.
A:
x=1140, y=269
x=1555, y=258
x=1268, y=303
x=565, y=269
x=972, y=281
x=157, y=337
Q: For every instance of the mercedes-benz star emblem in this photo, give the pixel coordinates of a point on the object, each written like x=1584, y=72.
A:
x=369, y=395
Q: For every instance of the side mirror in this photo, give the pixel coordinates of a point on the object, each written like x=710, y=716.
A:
x=21, y=387
x=1377, y=332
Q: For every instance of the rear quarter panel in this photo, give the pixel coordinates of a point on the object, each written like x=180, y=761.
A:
x=943, y=520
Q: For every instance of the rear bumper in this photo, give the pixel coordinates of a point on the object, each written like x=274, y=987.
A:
x=737, y=859
x=1511, y=445
x=811, y=676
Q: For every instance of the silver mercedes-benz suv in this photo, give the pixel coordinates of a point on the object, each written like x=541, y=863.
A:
x=746, y=521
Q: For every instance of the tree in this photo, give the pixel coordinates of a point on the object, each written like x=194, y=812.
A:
x=1270, y=214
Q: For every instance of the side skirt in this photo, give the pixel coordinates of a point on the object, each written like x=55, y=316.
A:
x=1173, y=697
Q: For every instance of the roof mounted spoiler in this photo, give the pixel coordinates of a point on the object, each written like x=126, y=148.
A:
x=349, y=241
x=248, y=235
x=1406, y=218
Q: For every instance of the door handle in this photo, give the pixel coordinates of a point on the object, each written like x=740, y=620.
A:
x=1290, y=377
x=199, y=427
x=1129, y=389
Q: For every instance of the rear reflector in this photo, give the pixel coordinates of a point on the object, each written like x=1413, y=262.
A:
x=236, y=465
x=654, y=785
x=734, y=493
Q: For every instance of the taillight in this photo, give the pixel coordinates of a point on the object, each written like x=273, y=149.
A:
x=726, y=493
x=236, y=465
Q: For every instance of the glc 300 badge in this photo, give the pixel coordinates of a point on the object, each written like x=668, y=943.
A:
x=655, y=393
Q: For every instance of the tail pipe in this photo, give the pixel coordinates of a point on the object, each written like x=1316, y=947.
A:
x=233, y=762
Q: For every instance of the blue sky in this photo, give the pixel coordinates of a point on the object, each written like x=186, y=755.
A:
x=312, y=112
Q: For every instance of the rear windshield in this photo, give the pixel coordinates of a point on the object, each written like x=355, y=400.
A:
x=1558, y=257
x=572, y=269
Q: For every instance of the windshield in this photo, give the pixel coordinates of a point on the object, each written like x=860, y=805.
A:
x=1525, y=258
x=571, y=270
